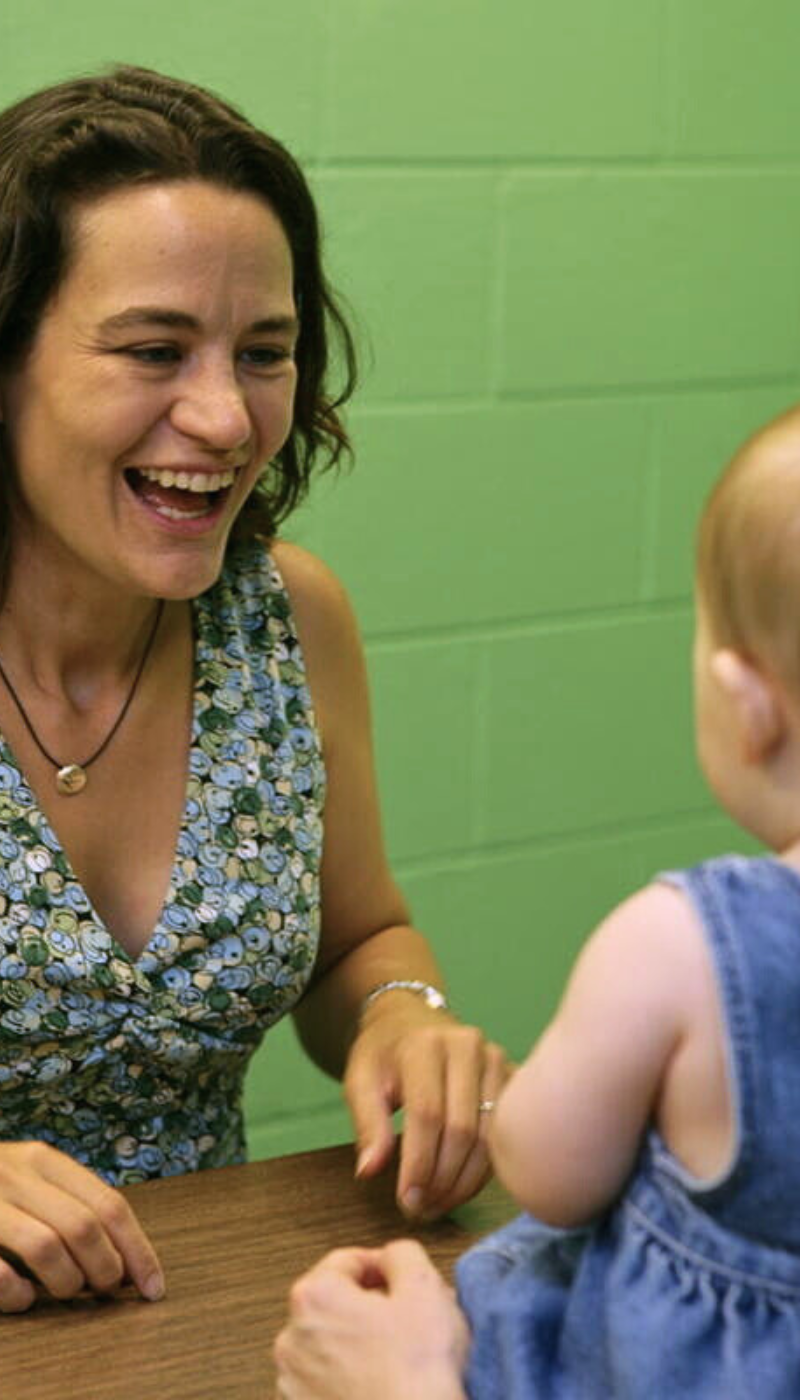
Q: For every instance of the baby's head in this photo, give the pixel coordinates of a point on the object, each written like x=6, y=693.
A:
x=747, y=651
x=748, y=553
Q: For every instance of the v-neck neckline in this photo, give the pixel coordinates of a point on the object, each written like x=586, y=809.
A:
x=55, y=844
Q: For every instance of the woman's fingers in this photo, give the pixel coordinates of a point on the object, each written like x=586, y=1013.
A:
x=122, y=1231
x=461, y=1073
x=39, y=1246
x=443, y=1156
x=474, y=1174
x=424, y=1102
x=68, y=1228
x=462, y=1173
x=439, y=1072
x=370, y=1102
x=117, y=1223
x=17, y=1294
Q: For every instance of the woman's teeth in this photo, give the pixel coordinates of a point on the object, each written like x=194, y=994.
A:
x=172, y=514
x=179, y=495
x=188, y=481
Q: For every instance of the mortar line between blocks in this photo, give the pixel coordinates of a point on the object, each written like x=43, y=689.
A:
x=563, y=394
x=648, y=568
x=479, y=765
x=502, y=629
x=654, y=162
x=552, y=843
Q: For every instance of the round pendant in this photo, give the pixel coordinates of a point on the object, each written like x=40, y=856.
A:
x=71, y=779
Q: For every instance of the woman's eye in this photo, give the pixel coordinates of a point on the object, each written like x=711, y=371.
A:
x=266, y=356
x=153, y=354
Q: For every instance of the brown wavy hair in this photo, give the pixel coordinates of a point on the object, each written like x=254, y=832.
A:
x=85, y=137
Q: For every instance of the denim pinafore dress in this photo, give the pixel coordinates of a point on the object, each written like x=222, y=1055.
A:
x=685, y=1290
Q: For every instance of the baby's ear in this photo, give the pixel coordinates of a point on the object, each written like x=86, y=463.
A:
x=757, y=705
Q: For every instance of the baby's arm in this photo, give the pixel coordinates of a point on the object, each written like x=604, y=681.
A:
x=569, y=1124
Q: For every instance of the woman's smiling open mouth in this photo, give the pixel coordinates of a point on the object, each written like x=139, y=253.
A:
x=181, y=495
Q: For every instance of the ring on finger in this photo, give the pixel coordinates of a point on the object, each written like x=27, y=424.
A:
x=486, y=1105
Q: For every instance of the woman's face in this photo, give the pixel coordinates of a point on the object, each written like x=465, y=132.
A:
x=160, y=382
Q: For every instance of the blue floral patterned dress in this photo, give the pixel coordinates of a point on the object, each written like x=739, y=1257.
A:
x=135, y=1066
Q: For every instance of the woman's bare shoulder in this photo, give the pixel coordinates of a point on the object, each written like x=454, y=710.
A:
x=327, y=629
x=317, y=595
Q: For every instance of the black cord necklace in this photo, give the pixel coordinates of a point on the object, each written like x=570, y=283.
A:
x=71, y=777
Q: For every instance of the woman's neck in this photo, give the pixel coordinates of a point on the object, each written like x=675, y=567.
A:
x=66, y=641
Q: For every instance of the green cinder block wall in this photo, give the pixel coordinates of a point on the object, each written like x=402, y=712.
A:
x=570, y=236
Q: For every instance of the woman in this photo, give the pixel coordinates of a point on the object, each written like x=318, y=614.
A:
x=163, y=398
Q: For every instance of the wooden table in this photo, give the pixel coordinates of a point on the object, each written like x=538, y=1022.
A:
x=231, y=1242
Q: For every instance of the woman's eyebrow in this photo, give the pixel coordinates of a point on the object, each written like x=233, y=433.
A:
x=182, y=320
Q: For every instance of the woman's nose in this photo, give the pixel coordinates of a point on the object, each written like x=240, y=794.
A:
x=213, y=409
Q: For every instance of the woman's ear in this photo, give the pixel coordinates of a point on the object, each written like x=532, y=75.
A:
x=756, y=703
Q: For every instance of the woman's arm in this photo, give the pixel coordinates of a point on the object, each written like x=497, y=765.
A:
x=569, y=1125
x=400, y=1052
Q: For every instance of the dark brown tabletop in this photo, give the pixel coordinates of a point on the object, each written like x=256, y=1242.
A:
x=231, y=1242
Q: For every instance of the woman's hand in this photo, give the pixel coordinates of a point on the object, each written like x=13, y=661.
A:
x=68, y=1228
x=440, y=1073
x=372, y=1322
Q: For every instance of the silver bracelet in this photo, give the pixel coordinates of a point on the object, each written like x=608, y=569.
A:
x=432, y=996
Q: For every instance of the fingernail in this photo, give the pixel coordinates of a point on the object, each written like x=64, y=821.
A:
x=412, y=1200
x=364, y=1159
x=153, y=1287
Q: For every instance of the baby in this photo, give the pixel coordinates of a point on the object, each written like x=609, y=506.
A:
x=653, y=1135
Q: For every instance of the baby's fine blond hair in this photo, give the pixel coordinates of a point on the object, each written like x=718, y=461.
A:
x=748, y=551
